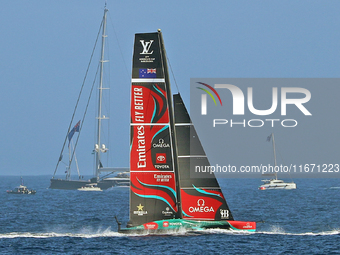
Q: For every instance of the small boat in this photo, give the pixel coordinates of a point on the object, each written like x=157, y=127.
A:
x=90, y=187
x=163, y=195
x=275, y=183
x=21, y=190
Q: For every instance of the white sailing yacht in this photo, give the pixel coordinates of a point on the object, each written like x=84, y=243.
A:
x=102, y=182
x=275, y=183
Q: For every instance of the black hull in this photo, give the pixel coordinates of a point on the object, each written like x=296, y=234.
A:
x=77, y=184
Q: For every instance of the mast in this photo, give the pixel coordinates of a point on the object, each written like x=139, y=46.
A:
x=172, y=123
x=275, y=163
x=98, y=147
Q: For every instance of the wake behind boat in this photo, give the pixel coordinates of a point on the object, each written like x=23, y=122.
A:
x=275, y=183
x=100, y=149
x=163, y=196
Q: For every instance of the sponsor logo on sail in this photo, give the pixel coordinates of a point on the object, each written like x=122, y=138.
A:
x=138, y=116
x=224, y=214
x=138, y=104
x=167, y=212
x=146, y=52
x=160, y=158
x=161, y=144
x=162, y=166
x=146, y=46
x=140, y=211
x=201, y=207
x=162, y=177
x=141, y=147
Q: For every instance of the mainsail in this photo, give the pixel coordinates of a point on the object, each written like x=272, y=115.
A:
x=202, y=198
x=152, y=156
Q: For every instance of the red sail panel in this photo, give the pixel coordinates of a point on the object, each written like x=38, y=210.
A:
x=151, y=147
x=200, y=204
x=149, y=103
x=156, y=185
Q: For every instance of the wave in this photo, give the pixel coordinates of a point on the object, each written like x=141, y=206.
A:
x=83, y=234
x=275, y=230
x=323, y=233
x=278, y=230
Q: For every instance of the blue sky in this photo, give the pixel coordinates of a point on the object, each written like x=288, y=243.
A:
x=46, y=46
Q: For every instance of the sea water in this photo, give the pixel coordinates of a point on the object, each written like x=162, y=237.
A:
x=301, y=221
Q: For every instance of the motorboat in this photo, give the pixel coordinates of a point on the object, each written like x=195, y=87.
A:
x=90, y=187
x=21, y=190
x=277, y=184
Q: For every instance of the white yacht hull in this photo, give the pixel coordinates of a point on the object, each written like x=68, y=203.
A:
x=89, y=189
x=283, y=185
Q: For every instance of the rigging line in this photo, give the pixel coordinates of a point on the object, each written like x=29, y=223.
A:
x=84, y=115
x=102, y=178
x=81, y=90
x=120, y=49
x=173, y=75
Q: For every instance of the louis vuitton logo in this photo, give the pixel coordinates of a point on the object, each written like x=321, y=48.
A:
x=146, y=47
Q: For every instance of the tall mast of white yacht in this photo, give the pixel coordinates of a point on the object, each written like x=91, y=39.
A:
x=99, y=148
x=275, y=163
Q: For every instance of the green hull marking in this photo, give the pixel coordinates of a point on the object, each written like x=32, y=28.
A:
x=178, y=224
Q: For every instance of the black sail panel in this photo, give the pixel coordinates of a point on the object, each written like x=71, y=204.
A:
x=201, y=198
x=153, y=193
